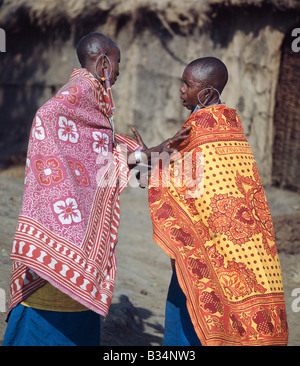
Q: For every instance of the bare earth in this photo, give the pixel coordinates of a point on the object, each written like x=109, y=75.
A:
x=136, y=316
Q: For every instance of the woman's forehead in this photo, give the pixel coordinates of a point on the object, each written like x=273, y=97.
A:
x=190, y=75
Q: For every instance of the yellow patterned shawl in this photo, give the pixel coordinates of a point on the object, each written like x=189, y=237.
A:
x=223, y=240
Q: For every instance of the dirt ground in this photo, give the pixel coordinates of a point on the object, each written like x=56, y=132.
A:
x=136, y=315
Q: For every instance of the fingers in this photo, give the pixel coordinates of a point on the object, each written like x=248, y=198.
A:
x=180, y=137
x=176, y=140
x=184, y=130
x=187, y=128
x=133, y=130
x=137, y=136
x=169, y=150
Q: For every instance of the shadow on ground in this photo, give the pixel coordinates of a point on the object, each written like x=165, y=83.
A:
x=127, y=325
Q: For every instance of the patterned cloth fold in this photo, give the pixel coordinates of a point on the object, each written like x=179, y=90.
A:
x=68, y=224
x=218, y=228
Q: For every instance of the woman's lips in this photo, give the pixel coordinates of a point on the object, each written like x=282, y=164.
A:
x=183, y=100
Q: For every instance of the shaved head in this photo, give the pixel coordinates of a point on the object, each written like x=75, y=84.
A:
x=209, y=71
x=93, y=44
x=89, y=50
x=203, y=81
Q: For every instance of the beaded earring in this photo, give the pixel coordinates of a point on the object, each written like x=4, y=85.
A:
x=108, y=90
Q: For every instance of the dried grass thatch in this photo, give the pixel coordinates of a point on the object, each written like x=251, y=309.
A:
x=46, y=13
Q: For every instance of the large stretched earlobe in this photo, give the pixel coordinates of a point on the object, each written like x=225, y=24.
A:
x=100, y=62
x=105, y=60
x=213, y=90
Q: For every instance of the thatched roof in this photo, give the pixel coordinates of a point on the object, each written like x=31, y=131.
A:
x=48, y=13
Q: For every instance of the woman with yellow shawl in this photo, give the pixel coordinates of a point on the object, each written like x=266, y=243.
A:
x=216, y=226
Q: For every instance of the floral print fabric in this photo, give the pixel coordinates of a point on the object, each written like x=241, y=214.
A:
x=222, y=240
x=68, y=224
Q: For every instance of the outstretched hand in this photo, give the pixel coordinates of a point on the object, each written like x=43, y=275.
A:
x=168, y=145
x=173, y=143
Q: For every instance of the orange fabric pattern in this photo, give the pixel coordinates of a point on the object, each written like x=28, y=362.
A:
x=222, y=240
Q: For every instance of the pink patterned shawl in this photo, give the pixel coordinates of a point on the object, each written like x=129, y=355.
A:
x=67, y=228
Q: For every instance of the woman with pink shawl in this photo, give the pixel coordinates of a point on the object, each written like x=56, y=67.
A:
x=63, y=253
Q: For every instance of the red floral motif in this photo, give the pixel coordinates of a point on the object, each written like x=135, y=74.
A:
x=283, y=320
x=237, y=325
x=264, y=322
x=233, y=217
x=154, y=194
x=211, y=302
x=236, y=279
x=241, y=218
x=232, y=118
x=78, y=172
x=206, y=121
x=183, y=236
x=198, y=268
x=49, y=171
x=69, y=95
x=164, y=212
x=216, y=258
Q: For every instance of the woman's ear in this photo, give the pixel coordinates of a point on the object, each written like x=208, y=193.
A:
x=101, y=64
x=105, y=63
x=99, y=67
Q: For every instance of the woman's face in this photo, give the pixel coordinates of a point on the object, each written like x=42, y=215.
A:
x=114, y=56
x=189, y=90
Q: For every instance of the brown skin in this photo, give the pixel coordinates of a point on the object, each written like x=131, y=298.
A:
x=200, y=74
x=114, y=56
x=168, y=145
x=91, y=47
x=191, y=87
